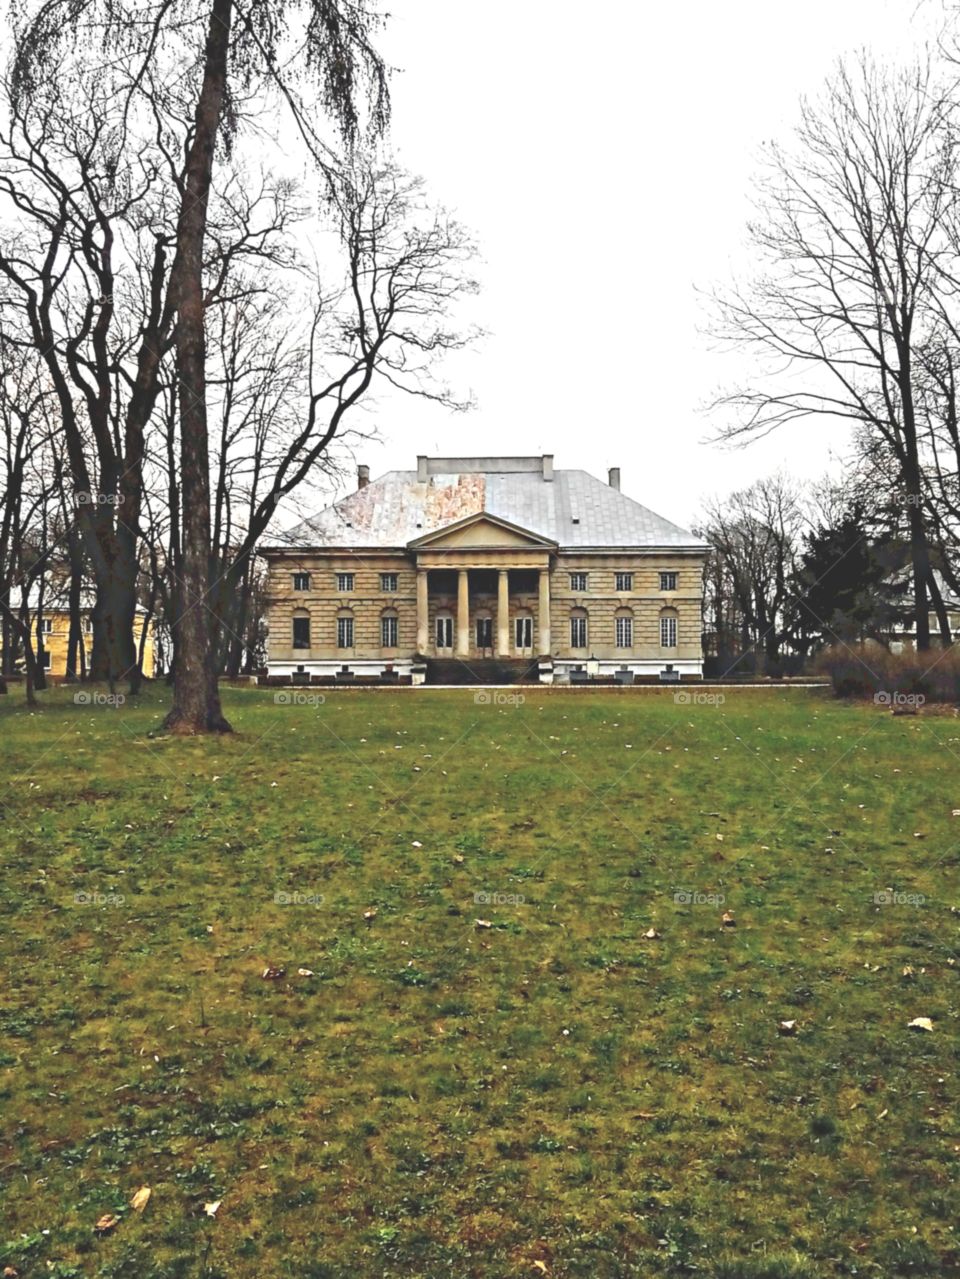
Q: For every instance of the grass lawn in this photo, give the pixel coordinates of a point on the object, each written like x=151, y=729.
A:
x=555, y=1094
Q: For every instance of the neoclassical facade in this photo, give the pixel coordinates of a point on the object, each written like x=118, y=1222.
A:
x=483, y=560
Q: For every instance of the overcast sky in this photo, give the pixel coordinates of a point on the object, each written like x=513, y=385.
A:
x=603, y=155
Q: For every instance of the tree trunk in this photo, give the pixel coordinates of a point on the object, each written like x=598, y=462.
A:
x=75, y=605
x=943, y=618
x=196, y=696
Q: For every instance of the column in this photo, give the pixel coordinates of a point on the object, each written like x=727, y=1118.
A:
x=503, y=613
x=463, y=614
x=543, y=647
x=423, y=613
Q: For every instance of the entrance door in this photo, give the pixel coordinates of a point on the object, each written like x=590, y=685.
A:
x=485, y=635
x=444, y=634
x=524, y=635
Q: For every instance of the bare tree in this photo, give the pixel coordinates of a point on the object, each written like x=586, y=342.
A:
x=754, y=539
x=851, y=234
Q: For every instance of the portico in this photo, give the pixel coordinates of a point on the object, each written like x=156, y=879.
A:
x=485, y=553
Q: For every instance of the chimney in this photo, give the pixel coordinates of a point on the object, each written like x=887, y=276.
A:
x=613, y=477
x=548, y=466
x=363, y=476
x=421, y=467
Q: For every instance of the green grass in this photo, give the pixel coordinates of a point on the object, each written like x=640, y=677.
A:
x=440, y=1099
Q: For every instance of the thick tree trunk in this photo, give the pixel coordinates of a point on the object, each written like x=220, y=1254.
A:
x=196, y=696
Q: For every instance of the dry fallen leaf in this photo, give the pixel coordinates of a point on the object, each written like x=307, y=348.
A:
x=304, y=972
x=484, y=923
x=651, y=934
x=107, y=1222
x=541, y=1266
x=458, y=858
x=920, y=1023
x=788, y=1028
x=211, y=1209
x=141, y=1199
x=272, y=974
x=10, y=1273
x=370, y=914
x=728, y=920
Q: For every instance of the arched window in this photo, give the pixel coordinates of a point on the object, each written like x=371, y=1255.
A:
x=668, y=628
x=389, y=628
x=579, y=637
x=624, y=628
x=344, y=628
x=301, y=628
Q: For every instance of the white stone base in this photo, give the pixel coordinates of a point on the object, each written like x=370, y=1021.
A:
x=645, y=668
x=330, y=666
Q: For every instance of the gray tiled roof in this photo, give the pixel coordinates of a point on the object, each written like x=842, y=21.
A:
x=397, y=508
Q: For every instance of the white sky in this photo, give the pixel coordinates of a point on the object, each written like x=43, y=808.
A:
x=602, y=154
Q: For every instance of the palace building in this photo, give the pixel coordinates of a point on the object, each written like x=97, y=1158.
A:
x=469, y=569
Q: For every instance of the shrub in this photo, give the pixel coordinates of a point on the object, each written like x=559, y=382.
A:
x=868, y=670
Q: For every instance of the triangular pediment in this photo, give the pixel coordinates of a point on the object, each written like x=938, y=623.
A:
x=482, y=530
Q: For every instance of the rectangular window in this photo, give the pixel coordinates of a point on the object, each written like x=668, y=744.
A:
x=388, y=632
x=301, y=632
x=578, y=632
x=46, y=660
x=444, y=632
x=88, y=626
x=301, y=581
x=668, y=632
x=45, y=626
x=344, y=582
x=484, y=632
x=388, y=581
x=578, y=581
x=344, y=632
x=668, y=581
x=624, y=632
x=524, y=632
x=624, y=581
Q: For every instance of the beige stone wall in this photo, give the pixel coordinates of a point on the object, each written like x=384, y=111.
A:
x=646, y=601
x=324, y=603
x=367, y=602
